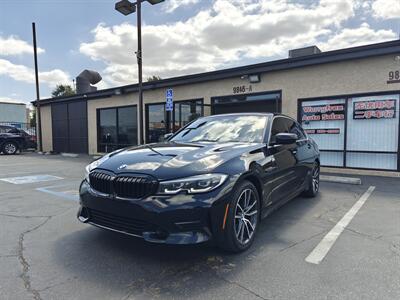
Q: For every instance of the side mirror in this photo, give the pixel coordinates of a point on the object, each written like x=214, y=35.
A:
x=167, y=136
x=286, y=138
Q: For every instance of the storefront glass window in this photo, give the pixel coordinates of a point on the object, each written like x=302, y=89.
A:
x=117, y=128
x=156, y=122
x=159, y=122
x=372, y=132
x=356, y=132
x=324, y=121
x=186, y=112
x=127, y=126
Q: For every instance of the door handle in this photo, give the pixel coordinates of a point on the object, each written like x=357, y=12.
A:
x=294, y=151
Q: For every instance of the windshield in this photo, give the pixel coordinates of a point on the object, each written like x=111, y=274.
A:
x=242, y=128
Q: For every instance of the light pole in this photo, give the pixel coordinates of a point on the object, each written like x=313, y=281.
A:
x=126, y=7
x=38, y=114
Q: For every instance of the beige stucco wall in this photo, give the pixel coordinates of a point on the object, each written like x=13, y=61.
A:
x=47, y=130
x=347, y=77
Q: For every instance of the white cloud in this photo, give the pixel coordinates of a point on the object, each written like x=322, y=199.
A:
x=357, y=37
x=223, y=35
x=171, y=5
x=25, y=74
x=386, y=9
x=12, y=45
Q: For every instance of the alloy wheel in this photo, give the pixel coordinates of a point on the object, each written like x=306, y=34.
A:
x=10, y=148
x=315, y=179
x=246, y=216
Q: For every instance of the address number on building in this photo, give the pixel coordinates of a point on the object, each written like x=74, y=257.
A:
x=242, y=89
x=394, y=76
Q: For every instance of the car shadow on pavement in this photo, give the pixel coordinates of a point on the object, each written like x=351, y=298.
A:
x=140, y=269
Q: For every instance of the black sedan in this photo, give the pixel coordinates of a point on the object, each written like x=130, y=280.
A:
x=28, y=141
x=214, y=179
x=10, y=143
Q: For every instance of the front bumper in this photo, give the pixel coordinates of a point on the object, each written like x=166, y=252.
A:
x=176, y=219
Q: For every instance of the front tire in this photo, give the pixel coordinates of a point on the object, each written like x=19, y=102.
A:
x=10, y=148
x=242, y=219
x=313, y=182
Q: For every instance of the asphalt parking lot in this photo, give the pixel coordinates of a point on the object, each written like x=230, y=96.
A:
x=45, y=253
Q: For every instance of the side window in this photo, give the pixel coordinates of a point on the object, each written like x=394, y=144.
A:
x=279, y=125
x=295, y=128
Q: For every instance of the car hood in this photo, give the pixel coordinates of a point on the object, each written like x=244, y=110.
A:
x=173, y=160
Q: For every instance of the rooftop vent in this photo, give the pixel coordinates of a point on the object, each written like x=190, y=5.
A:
x=304, y=51
x=84, y=81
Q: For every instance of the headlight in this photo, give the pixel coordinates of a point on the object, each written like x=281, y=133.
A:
x=94, y=165
x=192, y=185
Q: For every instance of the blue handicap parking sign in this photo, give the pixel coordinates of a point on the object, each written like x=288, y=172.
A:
x=169, y=102
x=169, y=93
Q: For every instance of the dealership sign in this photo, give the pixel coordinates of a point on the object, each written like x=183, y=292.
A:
x=374, y=109
x=328, y=112
x=323, y=131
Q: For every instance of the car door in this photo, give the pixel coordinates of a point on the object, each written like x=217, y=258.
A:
x=301, y=153
x=285, y=181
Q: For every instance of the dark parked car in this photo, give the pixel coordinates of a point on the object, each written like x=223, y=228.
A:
x=30, y=139
x=216, y=178
x=11, y=143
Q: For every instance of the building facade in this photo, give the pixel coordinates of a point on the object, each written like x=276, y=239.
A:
x=13, y=113
x=347, y=100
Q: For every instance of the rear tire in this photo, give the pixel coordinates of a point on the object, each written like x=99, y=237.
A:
x=10, y=148
x=242, y=219
x=313, y=182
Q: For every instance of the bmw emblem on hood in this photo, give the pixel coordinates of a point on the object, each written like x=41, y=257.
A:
x=121, y=167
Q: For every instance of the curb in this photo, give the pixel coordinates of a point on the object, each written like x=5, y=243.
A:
x=69, y=154
x=340, y=179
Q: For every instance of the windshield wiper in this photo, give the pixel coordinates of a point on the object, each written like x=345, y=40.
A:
x=188, y=129
x=154, y=150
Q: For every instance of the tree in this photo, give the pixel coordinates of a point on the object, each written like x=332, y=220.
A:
x=63, y=90
x=153, y=78
x=32, y=119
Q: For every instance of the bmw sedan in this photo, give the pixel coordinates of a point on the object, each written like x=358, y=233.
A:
x=215, y=179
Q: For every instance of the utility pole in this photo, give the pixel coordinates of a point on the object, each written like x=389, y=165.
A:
x=39, y=129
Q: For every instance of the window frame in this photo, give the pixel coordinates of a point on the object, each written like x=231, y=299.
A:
x=171, y=116
x=117, y=144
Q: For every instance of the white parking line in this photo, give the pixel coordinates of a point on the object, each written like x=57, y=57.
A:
x=319, y=252
x=30, y=179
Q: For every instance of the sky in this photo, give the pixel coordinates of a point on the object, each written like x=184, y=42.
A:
x=179, y=37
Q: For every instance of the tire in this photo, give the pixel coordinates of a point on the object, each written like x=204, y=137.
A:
x=10, y=148
x=240, y=228
x=313, y=182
